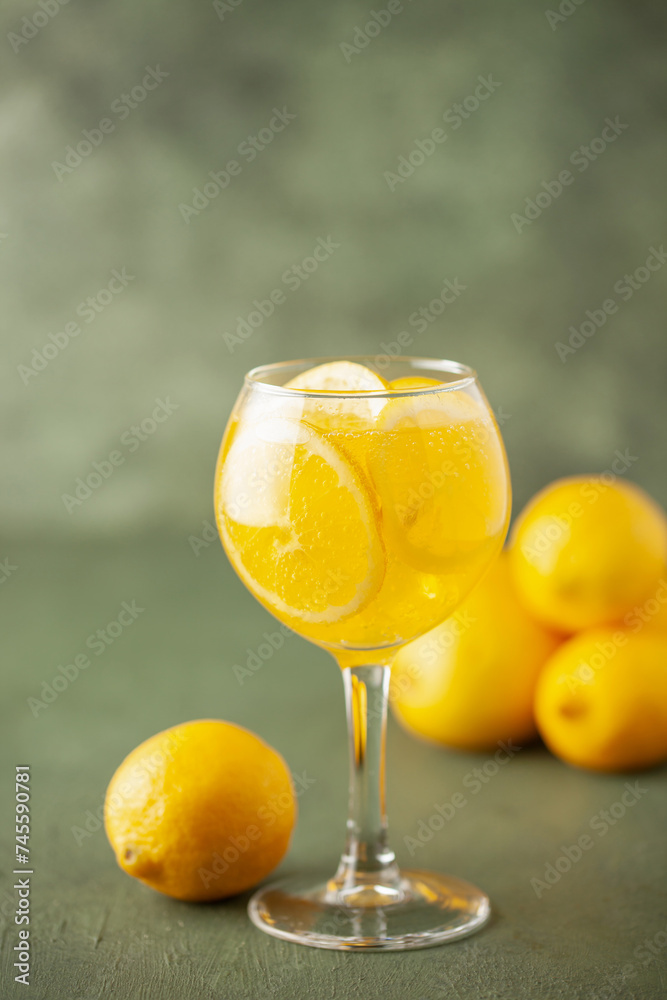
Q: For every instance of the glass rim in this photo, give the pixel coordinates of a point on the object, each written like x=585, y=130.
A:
x=467, y=376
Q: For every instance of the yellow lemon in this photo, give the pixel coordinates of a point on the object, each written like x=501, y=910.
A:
x=601, y=701
x=201, y=811
x=470, y=682
x=653, y=612
x=585, y=551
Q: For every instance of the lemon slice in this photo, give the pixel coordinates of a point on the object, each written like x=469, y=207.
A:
x=338, y=376
x=414, y=382
x=439, y=467
x=298, y=522
x=434, y=409
x=331, y=413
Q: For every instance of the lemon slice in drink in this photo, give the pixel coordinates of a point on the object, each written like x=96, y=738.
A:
x=298, y=522
x=338, y=376
x=414, y=382
x=355, y=413
x=439, y=468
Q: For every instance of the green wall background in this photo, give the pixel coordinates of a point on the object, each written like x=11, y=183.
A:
x=322, y=176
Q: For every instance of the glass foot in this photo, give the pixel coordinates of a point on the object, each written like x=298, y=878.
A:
x=428, y=909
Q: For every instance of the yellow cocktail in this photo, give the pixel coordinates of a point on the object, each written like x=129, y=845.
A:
x=360, y=509
x=362, y=521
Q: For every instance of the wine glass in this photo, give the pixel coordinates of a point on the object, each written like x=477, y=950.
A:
x=360, y=500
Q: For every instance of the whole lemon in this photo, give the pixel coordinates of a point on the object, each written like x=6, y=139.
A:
x=584, y=551
x=653, y=612
x=470, y=682
x=200, y=811
x=601, y=700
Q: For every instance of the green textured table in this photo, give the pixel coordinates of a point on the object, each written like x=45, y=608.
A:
x=588, y=926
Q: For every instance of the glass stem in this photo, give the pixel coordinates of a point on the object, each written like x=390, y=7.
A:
x=367, y=874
